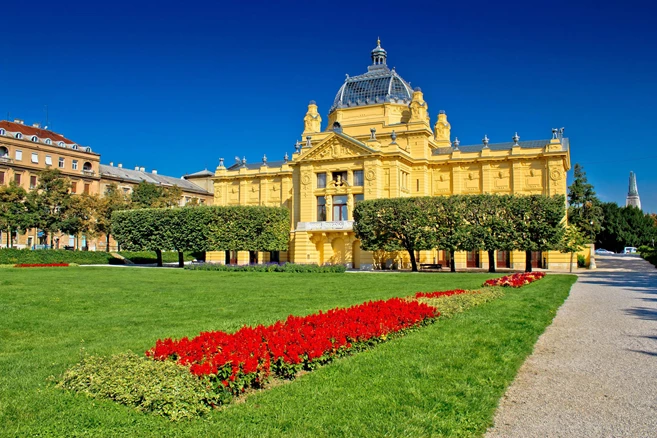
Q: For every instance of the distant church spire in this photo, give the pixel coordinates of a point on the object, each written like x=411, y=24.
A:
x=633, y=193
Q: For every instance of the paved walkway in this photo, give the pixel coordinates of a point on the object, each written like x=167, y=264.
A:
x=593, y=372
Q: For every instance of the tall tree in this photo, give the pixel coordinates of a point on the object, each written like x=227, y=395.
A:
x=489, y=226
x=79, y=217
x=584, y=209
x=448, y=222
x=114, y=199
x=13, y=210
x=149, y=195
x=539, y=223
x=49, y=202
x=395, y=224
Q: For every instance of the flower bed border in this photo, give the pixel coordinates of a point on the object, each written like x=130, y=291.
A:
x=515, y=280
x=41, y=265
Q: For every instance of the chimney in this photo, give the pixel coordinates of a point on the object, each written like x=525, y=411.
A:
x=19, y=121
x=36, y=125
x=136, y=167
x=120, y=166
x=154, y=172
x=111, y=163
x=142, y=169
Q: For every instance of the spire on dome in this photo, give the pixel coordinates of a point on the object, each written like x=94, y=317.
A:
x=379, y=55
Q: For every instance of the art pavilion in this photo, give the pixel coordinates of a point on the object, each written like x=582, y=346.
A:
x=379, y=142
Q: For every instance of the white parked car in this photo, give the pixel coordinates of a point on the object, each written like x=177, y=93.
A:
x=600, y=251
x=629, y=250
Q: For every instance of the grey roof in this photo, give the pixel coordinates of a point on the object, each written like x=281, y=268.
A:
x=138, y=176
x=529, y=144
x=257, y=165
x=204, y=172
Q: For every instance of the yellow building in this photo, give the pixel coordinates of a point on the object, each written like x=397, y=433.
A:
x=379, y=142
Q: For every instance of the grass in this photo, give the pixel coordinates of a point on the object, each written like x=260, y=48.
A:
x=445, y=379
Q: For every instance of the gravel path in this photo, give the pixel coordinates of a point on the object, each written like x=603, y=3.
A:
x=593, y=373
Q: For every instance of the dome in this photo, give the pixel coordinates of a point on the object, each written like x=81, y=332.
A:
x=378, y=85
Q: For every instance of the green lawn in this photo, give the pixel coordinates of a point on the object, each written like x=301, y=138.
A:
x=445, y=379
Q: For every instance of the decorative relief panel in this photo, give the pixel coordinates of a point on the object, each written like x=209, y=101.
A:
x=335, y=148
x=501, y=177
x=442, y=183
x=234, y=193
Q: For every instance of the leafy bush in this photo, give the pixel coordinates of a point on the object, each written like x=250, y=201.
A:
x=450, y=305
x=146, y=257
x=161, y=387
x=15, y=256
x=581, y=261
x=270, y=267
x=649, y=254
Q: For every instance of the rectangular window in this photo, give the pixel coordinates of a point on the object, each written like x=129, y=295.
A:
x=19, y=155
x=48, y=160
x=2, y=177
x=340, y=208
x=417, y=183
x=61, y=163
x=321, y=180
x=74, y=187
x=358, y=178
x=86, y=188
x=35, y=157
x=75, y=164
x=321, y=208
x=358, y=198
x=33, y=181
x=17, y=178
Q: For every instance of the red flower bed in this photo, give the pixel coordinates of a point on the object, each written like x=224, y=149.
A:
x=515, y=280
x=41, y=265
x=448, y=293
x=247, y=357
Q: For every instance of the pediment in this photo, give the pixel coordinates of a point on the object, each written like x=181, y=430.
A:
x=335, y=147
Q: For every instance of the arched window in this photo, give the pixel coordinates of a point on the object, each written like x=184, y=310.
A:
x=48, y=141
x=87, y=149
x=3, y=132
x=18, y=135
x=86, y=166
x=35, y=139
x=61, y=144
x=4, y=152
x=75, y=147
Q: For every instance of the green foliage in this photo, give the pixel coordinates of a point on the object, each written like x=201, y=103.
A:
x=572, y=242
x=272, y=267
x=649, y=253
x=202, y=228
x=584, y=209
x=14, y=210
x=14, y=256
x=625, y=226
x=160, y=387
x=451, y=305
x=49, y=202
x=150, y=195
x=146, y=257
x=114, y=199
x=581, y=261
x=394, y=224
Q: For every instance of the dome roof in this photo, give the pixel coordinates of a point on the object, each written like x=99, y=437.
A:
x=378, y=85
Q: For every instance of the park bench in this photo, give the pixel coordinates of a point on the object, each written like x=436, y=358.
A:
x=425, y=266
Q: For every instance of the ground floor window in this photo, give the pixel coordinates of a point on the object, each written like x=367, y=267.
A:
x=231, y=257
x=275, y=256
x=253, y=257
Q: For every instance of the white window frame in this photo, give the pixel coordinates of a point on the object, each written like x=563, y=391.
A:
x=35, y=139
x=35, y=158
x=19, y=155
x=62, y=162
x=75, y=165
x=48, y=160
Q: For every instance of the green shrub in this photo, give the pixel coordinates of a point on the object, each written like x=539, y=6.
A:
x=161, y=387
x=271, y=267
x=13, y=256
x=649, y=254
x=146, y=257
x=581, y=261
x=451, y=305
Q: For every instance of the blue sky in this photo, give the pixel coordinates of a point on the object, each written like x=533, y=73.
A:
x=175, y=86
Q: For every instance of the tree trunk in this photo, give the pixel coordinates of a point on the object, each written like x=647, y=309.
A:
x=452, y=264
x=158, y=252
x=571, y=262
x=77, y=242
x=107, y=248
x=181, y=259
x=413, y=261
x=528, y=261
x=491, y=260
x=51, y=239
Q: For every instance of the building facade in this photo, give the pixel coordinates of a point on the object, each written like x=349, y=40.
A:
x=379, y=142
x=26, y=150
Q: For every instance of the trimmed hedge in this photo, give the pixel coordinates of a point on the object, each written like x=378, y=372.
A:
x=161, y=387
x=272, y=267
x=147, y=257
x=10, y=256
